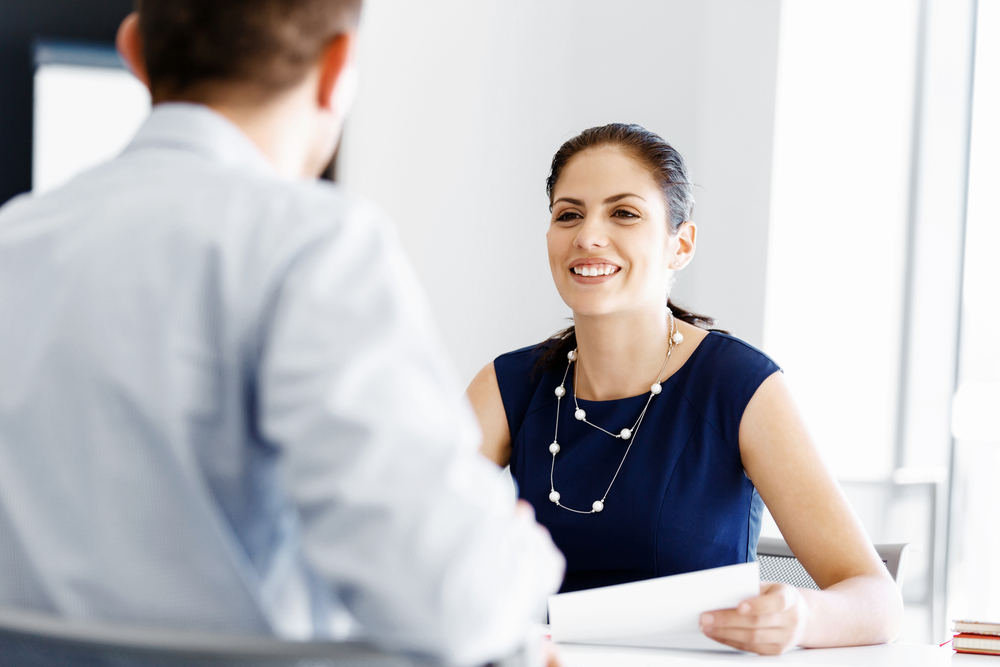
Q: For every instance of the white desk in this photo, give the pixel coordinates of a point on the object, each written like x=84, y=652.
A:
x=886, y=655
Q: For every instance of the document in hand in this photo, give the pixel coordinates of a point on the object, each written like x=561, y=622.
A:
x=658, y=613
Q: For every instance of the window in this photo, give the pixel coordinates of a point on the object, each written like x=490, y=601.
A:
x=87, y=108
x=974, y=577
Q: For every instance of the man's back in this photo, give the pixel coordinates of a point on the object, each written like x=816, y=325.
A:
x=221, y=407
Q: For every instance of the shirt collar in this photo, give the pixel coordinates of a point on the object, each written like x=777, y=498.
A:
x=199, y=129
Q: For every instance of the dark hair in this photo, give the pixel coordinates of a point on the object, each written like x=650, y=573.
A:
x=667, y=168
x=263, y=46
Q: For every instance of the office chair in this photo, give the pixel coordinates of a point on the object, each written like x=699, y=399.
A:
x=778, y=563
x=38, y=640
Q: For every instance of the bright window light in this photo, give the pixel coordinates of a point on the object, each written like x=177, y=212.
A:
x=837, y=238
x=974, y=578
x=84, y=113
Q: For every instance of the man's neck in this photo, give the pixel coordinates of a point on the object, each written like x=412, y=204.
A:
x=274, y=133
x=285, y=128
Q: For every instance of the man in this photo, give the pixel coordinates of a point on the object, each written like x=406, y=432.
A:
x=222, y=405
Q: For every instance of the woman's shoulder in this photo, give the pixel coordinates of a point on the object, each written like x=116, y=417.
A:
x=722, y=376
x=726, y=370
x=522, y=364
x=518, y=376
x=524, y=353
x=725, y=352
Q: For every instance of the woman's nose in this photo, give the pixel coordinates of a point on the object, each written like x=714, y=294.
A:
x=590, y=234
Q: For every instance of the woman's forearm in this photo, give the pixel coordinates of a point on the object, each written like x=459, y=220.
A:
x=866, y=609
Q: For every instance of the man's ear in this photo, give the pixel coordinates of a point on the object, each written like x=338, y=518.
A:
x=129, y=45
x=338, y=74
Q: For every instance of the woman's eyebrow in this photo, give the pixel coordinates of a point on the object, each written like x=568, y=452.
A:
x=612, y=199
x=568, y=200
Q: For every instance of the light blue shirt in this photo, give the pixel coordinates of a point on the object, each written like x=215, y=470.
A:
x=222, y=407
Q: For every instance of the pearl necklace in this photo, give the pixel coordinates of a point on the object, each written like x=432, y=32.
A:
x=675, y=338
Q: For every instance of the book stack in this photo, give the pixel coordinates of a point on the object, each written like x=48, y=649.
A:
x=976, y=637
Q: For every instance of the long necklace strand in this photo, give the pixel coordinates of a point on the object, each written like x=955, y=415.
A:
x=674, y=339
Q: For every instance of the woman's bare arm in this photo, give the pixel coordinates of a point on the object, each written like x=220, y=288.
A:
x=859, y=602
x=484, y=394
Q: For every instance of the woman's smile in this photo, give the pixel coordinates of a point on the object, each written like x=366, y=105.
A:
x=592, y=271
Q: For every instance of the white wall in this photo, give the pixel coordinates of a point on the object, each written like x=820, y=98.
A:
x=462, y=104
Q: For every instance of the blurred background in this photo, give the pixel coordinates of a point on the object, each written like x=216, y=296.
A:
x=847, y=157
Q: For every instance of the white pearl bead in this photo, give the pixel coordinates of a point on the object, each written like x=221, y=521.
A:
x=656, y=388
x=560, y=391
x=554, y=448
x=678, y=338
x=580, y=414
x=625, y=434
x=598, y=505
x=572, y=355
x=554, y=496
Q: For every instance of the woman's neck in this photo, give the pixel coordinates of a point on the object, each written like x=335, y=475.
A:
x=619, y=355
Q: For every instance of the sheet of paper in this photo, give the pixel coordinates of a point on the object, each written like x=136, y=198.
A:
x=656, y=613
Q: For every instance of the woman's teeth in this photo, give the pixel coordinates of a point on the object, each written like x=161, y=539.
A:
x=595, y=270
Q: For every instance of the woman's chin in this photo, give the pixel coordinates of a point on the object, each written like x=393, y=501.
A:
x=588, y=308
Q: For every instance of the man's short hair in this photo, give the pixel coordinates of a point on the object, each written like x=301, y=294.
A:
x=263, y=47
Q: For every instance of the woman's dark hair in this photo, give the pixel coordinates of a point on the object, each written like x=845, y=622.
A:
x=667, y=168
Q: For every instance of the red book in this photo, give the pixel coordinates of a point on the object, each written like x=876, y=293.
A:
x=970, y=643
x=977, y=627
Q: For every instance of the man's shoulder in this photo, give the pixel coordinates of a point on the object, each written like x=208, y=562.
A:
x=326, y=201
x=177, y=190
x=267, y=197
x=319, y=206
x=148, y=208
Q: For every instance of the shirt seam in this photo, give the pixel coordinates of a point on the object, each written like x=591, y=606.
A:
x=753, y=490
x=663, y=497
x=702, y=417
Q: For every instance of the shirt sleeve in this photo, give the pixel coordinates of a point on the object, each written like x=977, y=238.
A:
x=399, y=513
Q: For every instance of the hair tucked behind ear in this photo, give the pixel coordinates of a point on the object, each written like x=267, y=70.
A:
x=667, y=168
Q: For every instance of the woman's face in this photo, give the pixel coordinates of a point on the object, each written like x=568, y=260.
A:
x=610, y=246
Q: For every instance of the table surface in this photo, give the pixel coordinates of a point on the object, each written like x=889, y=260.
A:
x=885, y=655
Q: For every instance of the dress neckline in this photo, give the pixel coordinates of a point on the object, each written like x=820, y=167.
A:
x=683, y=367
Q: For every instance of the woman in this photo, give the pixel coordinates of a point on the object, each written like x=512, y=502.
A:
x=636, y=433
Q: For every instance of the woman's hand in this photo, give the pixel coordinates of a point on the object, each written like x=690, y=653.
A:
x=769, y=624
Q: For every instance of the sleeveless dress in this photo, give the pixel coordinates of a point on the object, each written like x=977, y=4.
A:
x=681, y=502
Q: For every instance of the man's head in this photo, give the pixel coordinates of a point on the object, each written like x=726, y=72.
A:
x=241, y=56
x=193, y=49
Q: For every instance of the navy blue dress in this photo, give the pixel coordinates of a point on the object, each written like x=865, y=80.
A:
x=681, y=502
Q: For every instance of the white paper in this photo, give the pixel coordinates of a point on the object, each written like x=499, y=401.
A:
x=656, y=613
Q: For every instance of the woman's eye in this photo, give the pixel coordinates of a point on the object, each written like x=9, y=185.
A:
x=567, y=215
x=625, y=214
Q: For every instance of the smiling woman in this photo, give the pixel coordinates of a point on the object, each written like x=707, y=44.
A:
x=677, y=435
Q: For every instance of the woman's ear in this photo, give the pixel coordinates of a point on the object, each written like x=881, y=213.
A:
x=685, y=245
x=129, y=45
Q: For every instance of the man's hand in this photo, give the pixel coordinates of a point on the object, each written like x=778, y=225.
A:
x=769, y=624
x=550, y=655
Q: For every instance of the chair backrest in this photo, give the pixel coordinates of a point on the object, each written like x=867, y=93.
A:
x=778, y=563
x=37, y=640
